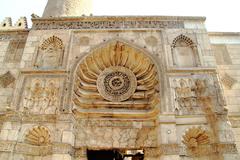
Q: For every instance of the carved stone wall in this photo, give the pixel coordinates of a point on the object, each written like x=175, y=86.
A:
x=103, y=83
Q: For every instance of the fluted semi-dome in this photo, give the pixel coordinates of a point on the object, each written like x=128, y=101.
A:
x=116, y=75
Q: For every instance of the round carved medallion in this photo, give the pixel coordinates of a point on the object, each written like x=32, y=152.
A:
x=116, y=83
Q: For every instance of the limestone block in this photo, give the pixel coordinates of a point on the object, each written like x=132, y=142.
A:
x=4, y=156
x=27, y=57
x=4, y=134
x=32, y=39
x=12, y=135
x=170, y=157
x=64, y=126
x=231, y=156
x=18, y=157
x=57, y=157
x=168, y=134
x=68, y=137
x=16, y=125
x=37, y=158
x=7, y=125
x=3, y=48
x=29, y=50
x=67, y=157
x=6, y=91
x=1, y=58
x=61, y=157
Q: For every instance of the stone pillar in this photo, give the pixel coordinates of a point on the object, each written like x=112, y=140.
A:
x=64, y=8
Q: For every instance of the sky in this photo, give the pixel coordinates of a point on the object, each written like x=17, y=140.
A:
x=222, y=15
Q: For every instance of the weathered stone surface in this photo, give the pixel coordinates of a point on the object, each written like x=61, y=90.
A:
x=153, y=85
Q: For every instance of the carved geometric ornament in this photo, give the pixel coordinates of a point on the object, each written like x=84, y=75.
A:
x=6, y=79
x=38, y=136
x=117, y=83
x=116, y=75
x=228, y=81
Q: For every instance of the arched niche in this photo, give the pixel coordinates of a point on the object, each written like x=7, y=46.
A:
x=184, y=52
x=50, y=53
x=116, y=77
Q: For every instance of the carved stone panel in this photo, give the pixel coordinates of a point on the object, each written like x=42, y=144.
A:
x=41, y=95
x=6, y=79
x=50, y=53
x=188, y=92
x=115, y=137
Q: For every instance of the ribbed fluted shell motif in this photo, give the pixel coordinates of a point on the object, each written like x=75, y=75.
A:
x=116, y=54
x=38, y=136
x=196, y=136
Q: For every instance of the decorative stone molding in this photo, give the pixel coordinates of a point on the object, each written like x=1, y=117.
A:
x=108, y=23
x=228, y=81
x=53, y=41
x=26, y=149
x=6, y=79
x=38, y=136
x=183, y=38
x=108, y=77
x=13, y=35
x=33, y=150
x=164, y=149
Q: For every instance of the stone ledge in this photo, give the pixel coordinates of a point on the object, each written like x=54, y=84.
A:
x=22, y=148
x=164, y=149
x=110, y=18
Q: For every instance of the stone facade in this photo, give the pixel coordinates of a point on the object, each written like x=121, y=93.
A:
x=159, y=86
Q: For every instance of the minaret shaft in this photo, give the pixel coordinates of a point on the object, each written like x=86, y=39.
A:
x=63, y=8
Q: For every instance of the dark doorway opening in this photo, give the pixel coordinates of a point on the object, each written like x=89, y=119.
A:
x=114, y=155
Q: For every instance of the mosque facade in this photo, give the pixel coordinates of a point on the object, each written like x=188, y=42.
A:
x=80, y=87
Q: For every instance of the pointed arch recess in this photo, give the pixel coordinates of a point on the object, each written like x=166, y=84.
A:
x=116, y=76
x=184, y=52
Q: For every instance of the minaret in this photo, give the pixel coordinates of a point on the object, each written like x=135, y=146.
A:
x=64, y=8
